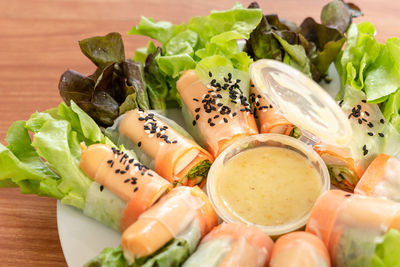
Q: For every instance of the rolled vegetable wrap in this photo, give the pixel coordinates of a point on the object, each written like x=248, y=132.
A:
x=381, y=179
x=181, y=217
x=269, y=119
x=353, y=227
x=372, y=135
x=168, y=149
x=125, y=177
x=299, y=249
x=344, y=169
x=220, y=112
x=232, y=245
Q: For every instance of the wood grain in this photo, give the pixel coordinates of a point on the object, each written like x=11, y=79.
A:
x=38, y=41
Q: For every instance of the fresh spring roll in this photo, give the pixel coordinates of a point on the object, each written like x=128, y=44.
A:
x=220, y=113
x=269, y=119
x=381, y=179
x=354, y=227
x=127, y=178
x=344, y=169
x=299, y=249
x=181, y=217
x=163, y=146
x=372, y=135
x=231, y=244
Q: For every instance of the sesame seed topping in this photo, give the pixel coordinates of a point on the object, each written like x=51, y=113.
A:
x=117, y=170
x=381, y=134
x=136, y=189
x=139, y=144
x=127, y=180
x=122, y=172
x=370, y=133
x=382, y=121
x=101, y=188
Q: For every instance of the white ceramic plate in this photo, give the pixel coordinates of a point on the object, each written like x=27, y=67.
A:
x=82, y=238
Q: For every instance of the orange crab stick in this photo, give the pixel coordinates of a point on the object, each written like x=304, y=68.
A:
x=214, y=113
x=170, y=216
x=124, y=176
x=270, y=120
x=341, y=220
x=174, y=154
x=381, y=179
x=231, y=244
x=299, y=249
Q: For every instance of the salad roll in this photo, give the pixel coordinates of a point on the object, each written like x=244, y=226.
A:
x=180, y=218
x=125, y=177
x=163, y=146
x=231, y=244
x=269, y=119
x=299, y=249
x=372, y=135
x=381, y=179
x=219, y=112
x=355, y=228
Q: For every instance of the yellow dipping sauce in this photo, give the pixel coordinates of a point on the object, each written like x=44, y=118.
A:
x=268, y=185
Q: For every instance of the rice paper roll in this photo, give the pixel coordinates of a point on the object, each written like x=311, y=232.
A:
x=269, y=119
x=372, y=135
x=182, y=216
x=231, y=244
x=163, y=145
x=217, y=110
x=299, y=249
x=381, y=179
x=352, y=226
x=126, y=177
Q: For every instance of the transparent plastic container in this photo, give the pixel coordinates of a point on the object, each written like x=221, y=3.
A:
x=269, y=140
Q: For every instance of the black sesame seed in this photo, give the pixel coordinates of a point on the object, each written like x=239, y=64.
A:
x=340, y=103
x=370, y=133
x=109, y=161
x=127, y=180
x=359, y=121
x=365, y=152
x=212, y=124
x=370, y=125
x=270, y=106
x=136, y=189
x=234, y=114
x=127, y=168
x=364, y=147
x=149, y=174
x=347, y=195
x=197, y=117
x=197, y=110
x=382, y=121
x=121, y=159
x=381, y=135
x=131, y=160
x=216, y=116
x=210, y=74
x=139, y=144
x=117, y=170
x=209, y=120
x=195, y=99
x=175, y=141
x=364, y=119
x=364, y=101
x=112, y=164
x=225, y=120
x=101, y=188
x=122, y=172
x=359, y=106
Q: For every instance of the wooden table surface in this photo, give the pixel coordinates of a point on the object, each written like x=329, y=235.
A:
x=38, y=41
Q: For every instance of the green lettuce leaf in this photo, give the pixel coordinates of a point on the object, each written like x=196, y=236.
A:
x=48, y=164
x=387, y=253
x=109, y=257
x=21, y=166
x=184, y=46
